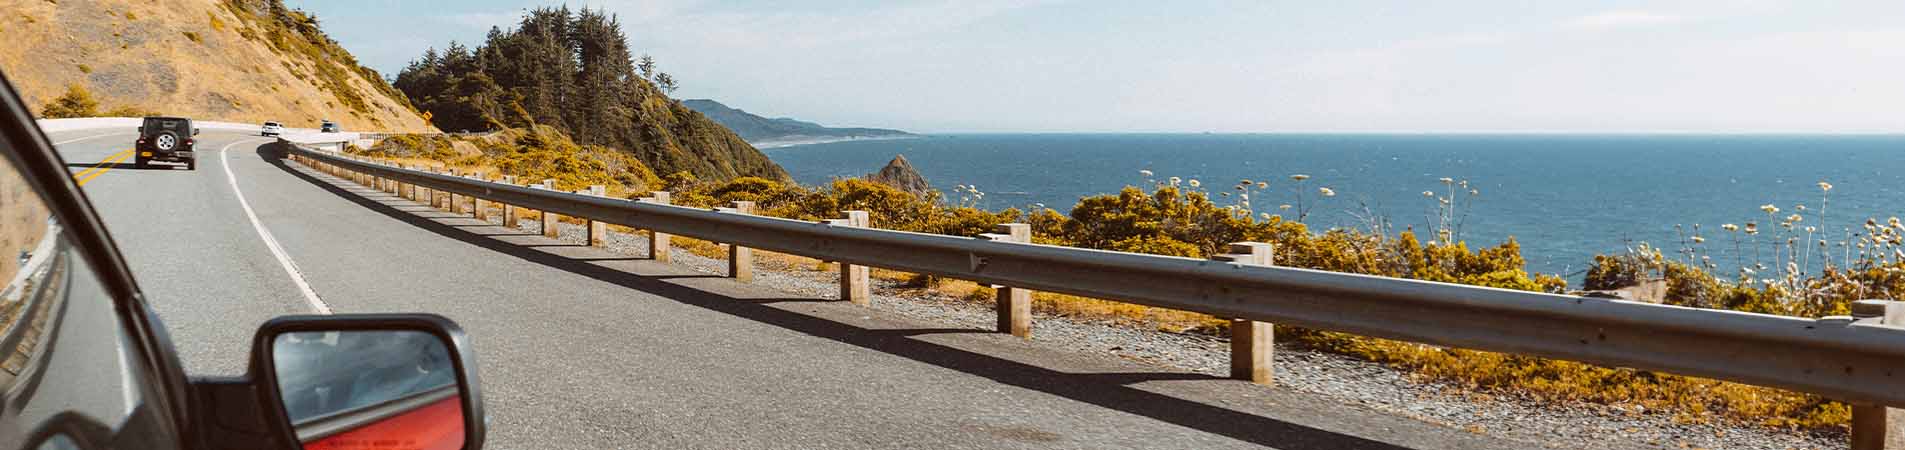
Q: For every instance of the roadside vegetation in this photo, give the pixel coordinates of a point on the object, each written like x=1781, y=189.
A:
x=77, y=102
x=1172, y=216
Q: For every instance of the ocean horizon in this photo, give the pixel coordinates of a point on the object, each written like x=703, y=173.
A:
x=1563, y=196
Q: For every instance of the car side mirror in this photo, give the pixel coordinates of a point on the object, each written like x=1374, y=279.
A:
x=195, y=131
x=142, y=128
x=337, y=381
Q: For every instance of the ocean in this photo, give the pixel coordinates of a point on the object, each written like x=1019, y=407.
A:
x=1565, y=198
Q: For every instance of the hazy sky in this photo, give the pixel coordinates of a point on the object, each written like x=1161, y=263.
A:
x=1243, y=66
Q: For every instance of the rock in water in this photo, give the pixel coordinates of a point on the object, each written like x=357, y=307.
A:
x=900, y=174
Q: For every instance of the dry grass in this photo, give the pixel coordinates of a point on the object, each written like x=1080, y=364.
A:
x=168, y=60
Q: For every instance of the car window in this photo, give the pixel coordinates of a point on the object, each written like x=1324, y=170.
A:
x=66, y=359
x=164, y=124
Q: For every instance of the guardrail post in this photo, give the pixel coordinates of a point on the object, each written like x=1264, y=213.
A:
x=436, y=196
x=476, y=204
x=741, y=259
x=509, y=211
x=389, y=185
x=426, y=195
x=1014, y=304
x=406, y=191
x=1877, y=427
x=549, y=219
x=1251, y=342
x=657, y=240
x=854, y=286
x=456, y=202
x=598, y=231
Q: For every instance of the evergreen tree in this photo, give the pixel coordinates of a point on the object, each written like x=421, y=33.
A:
x=574, y=71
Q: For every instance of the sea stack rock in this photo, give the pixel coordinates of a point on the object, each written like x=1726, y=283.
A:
x=900, y=174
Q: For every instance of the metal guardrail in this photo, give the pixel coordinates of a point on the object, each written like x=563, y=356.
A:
x=1861, y=361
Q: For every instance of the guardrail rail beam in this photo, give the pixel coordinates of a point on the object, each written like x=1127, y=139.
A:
x=1855, y=360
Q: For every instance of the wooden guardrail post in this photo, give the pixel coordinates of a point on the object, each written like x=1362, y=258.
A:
x=741, y=259
x=390, y=184
x=549, y=219
x=598, y=231
x=456, y=200
x=1251, y=342
x=509, y=211
x=1876, y=427
x=1014, y=304
x=658, y=241
x=854, y=285
x=406, y=191
x=437, y=195
x=476, y=204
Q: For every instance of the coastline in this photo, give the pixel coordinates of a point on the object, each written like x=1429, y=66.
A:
x=811, y=140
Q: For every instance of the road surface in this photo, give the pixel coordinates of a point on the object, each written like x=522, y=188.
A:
x=580, y=348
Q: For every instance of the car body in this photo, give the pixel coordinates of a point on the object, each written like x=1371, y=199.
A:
x=329, y=127
x=91, y=366
x=271, y=129
x=166, y=139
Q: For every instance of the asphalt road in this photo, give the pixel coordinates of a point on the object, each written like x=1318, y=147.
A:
x=580, y=348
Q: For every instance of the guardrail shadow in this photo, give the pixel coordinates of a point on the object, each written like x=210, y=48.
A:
x=1107, y=390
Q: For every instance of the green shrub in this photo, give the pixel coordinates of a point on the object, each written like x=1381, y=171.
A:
x=76, y=102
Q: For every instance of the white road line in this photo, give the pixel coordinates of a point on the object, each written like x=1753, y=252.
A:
x=290, y=268
x=88, y=137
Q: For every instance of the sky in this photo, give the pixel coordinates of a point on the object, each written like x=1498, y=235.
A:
x=1237, y=66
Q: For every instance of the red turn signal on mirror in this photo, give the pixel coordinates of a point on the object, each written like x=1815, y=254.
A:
x=438, y=426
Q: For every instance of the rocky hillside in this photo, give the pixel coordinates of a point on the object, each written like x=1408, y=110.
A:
x=233, y=60
x=901, y=175
x=757, y=129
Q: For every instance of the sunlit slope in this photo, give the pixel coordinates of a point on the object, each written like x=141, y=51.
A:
x=238, y=60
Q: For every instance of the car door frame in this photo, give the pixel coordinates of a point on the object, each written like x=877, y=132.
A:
x=36, y=160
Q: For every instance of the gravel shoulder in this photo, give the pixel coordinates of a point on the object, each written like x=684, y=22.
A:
x=1352, y=381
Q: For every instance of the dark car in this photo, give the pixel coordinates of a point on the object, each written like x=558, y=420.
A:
x=89, y=364
x=166, y=139
x=329, y=127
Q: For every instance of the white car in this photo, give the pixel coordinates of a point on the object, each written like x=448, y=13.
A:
x=271, y=129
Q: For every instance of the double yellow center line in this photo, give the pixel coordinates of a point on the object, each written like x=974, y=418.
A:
x=84, y=176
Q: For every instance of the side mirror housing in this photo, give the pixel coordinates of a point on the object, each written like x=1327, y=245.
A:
x=195, y=131
x=142, y=128
x=341, y=380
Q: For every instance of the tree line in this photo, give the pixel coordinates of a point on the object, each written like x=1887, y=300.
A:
x=574, y=71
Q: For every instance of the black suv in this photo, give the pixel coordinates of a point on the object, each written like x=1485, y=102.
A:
x=166, y=139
